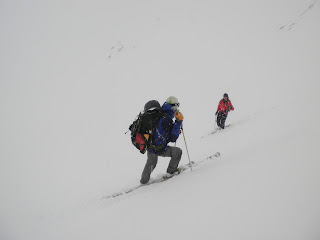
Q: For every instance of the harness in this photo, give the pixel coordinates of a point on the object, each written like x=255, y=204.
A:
x=161, y=137
x=225, y=104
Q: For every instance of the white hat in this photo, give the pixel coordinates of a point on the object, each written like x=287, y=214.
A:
x=173, y=101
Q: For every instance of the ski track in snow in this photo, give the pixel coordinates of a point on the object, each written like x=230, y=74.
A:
x=116, y=49
x=299, y=17
x=231, y=124
x=158, y=179
x=72, y=81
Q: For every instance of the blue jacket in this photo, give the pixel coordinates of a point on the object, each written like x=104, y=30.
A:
x=167, y=130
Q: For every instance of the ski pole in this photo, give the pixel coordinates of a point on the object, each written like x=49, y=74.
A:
x=186, y=147
x=216, y=119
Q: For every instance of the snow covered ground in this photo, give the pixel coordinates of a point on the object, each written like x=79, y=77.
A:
x=74, y=75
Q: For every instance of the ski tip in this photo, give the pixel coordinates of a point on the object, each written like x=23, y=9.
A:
x=217, y=154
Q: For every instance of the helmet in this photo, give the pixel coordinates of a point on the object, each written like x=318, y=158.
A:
x=173, y=101
x=226, y=95
x=151, y=105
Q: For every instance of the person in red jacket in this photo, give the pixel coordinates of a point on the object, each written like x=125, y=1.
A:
x=224, y=107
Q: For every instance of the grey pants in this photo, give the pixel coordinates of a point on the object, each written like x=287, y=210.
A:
x=173, y=152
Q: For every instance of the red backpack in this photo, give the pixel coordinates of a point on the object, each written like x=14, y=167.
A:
x=142, y=129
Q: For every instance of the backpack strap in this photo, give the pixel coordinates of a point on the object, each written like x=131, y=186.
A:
x=158, y=148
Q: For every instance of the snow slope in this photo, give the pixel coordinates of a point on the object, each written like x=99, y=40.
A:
x=74, y=74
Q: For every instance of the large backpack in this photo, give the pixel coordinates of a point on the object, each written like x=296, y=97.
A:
x=143, y=127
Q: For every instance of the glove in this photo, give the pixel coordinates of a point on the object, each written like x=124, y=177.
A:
x=178, y=116
x=216, y=113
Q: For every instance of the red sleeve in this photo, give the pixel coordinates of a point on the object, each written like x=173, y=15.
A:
x=232, y=108
x=218, y=106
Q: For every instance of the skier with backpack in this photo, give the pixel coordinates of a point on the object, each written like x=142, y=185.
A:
x=224, y=107
x=152, y=132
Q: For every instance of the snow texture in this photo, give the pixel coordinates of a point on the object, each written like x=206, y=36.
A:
x=74, y=75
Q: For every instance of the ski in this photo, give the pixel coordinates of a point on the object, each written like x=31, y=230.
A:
x=161, y=179
x=152, y=181
x=216, y=130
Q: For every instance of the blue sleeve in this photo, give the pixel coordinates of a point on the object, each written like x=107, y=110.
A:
x=172, y=129
x=175, y=132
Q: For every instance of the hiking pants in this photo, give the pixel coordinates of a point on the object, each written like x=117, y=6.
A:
x=221, y=119
x=173, y=152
